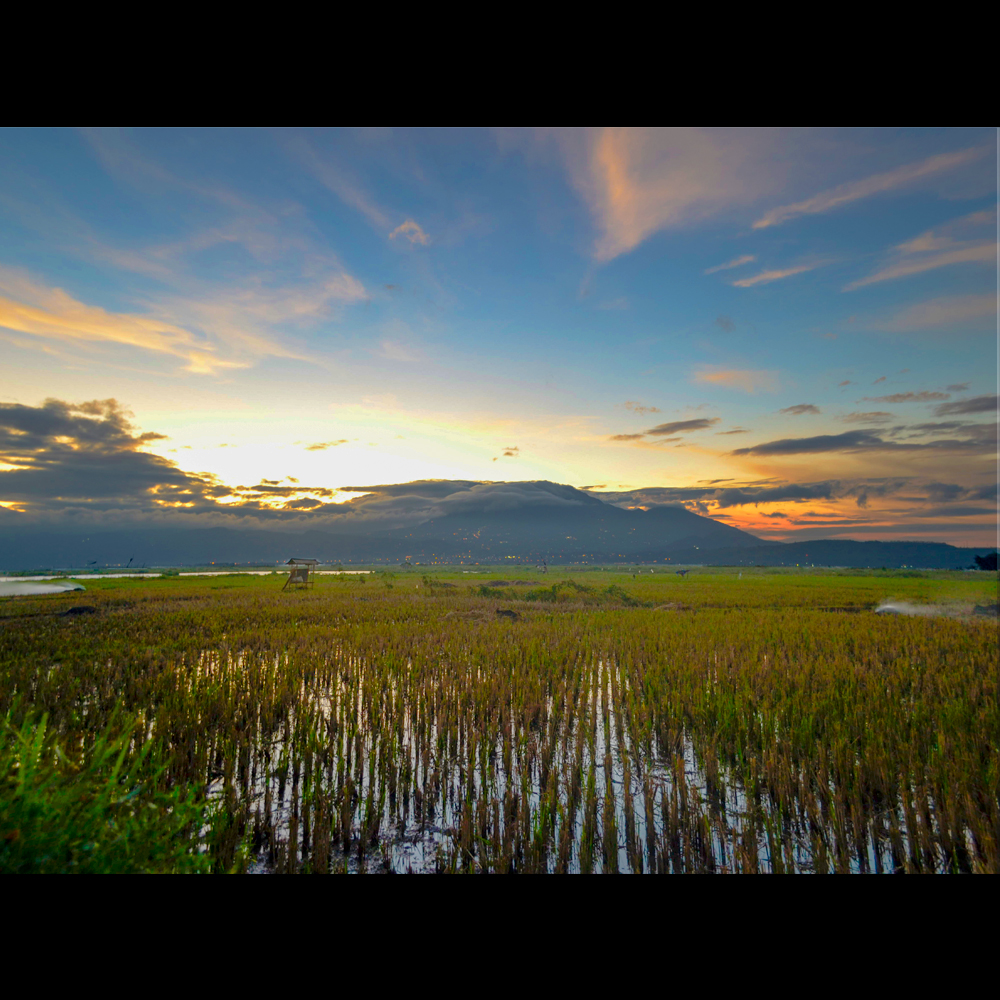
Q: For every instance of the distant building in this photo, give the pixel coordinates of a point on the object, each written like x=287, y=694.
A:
x=299, y=574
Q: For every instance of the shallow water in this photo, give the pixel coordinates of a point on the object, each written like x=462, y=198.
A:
x=79, y=576
x=405, y=793
x=153, y=576
x=30, y=588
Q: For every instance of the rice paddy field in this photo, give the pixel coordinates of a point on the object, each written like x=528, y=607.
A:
x=475, y=720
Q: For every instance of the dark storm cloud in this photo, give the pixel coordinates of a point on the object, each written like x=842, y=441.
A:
x=984, y=493
x=738, y=497
x=269, y=489
x=972, y=437
x=849, y=441
x=404, y=503
x=873, y=417
x=101, y=423
x=667, y=431
x=879, y=530
x=682, y=426
x=85, y=463
x=80, y=461
x=941, y=492
x=427, y=488
x=800, y=409
x=953, y=510
x=977, y=404
x=86, y=453
x=730, y=496
x=712, y=498
x=907, y=397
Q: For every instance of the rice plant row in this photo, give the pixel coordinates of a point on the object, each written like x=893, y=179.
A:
x=402, y=726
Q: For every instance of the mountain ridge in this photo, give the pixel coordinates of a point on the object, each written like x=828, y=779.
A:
x=461, y=521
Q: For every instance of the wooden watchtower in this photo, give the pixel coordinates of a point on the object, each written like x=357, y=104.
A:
x=298, y=576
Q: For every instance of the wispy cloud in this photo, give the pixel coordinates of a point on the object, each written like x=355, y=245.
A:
x=236, y=284
x=979, y=438
x=637, y=181
x=983, y=253
x=52, y=313
x=410, y=230
x=800, y=409
x=394, y=350
x=747, y=258
x=891, y=180
x=936, y=248
x=945, y=312
x=640, y=408
x=350, y=191
x=766, y=277
x=748, y=381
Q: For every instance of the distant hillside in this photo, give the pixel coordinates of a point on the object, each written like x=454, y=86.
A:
x=597, y=533
x=450, y=521
x=848, y=552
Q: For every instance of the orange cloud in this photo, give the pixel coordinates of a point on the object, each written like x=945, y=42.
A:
x=234, y=317
x=946, y=311
x=938, y=248
x=52, y=313
x=876, y=184
x=747, y=258
x=766, y=277
x=411, y=231
x=637, y=181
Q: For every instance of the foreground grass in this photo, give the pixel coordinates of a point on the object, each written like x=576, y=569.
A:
x=621, y=722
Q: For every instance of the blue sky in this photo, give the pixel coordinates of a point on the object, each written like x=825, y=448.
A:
x=341, y=307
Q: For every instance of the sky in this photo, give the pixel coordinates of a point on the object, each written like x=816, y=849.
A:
x=792, y=331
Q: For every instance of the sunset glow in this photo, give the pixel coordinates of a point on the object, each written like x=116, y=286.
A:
x=789, y=331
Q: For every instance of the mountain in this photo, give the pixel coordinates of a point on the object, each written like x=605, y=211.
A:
x=453, y=521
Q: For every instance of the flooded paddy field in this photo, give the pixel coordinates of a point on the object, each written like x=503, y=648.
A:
x=492, y=722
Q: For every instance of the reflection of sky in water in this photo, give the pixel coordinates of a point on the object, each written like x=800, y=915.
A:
x=669, y=810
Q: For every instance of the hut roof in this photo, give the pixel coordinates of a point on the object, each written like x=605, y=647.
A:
x=302, y=562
